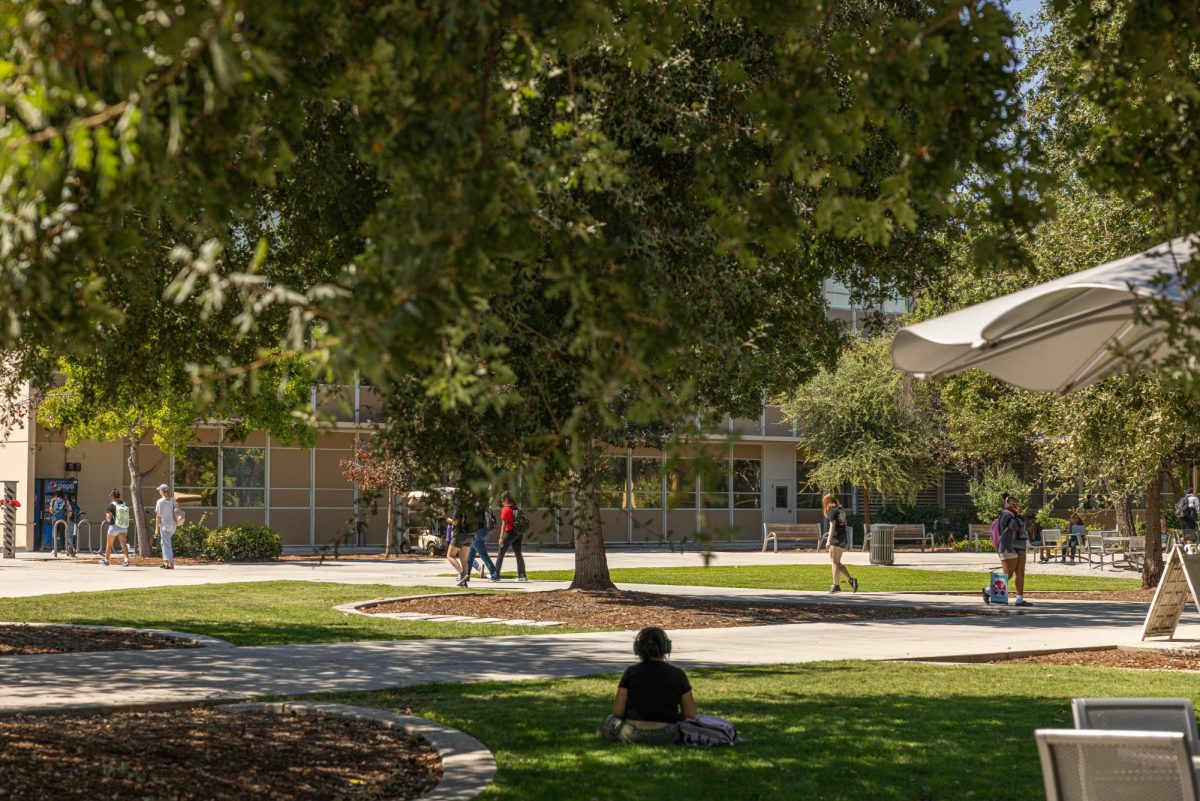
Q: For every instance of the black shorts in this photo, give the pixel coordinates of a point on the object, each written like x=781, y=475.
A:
x=837, y=541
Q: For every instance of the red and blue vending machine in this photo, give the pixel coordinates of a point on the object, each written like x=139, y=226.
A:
x=45, y=489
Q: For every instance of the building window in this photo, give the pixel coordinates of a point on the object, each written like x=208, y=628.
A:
x=196, y=474
x=245, y=477
x=747, y=484
x=681, y=485
x=715, y=483
x=610, y=482
x=808, y=494
x=647, y=482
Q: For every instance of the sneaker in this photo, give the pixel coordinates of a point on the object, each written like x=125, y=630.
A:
x=463, y=579
x=165, y=567
x=104, y=561
x=854, y=585
x=521, y=579
x=493, y=579
x=1022, y=602
x=125, y=563
x=835, y=588
x=987, y=595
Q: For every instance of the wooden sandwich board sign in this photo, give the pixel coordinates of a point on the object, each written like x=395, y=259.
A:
x=1180, y=580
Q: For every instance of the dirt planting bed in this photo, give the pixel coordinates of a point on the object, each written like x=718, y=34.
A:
x=1117, y=658
x=633, y=610
x=211, y=755
x=18, y=638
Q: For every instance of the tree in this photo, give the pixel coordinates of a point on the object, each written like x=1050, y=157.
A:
x=375, y=473
x=661, y=187
x=866, y=423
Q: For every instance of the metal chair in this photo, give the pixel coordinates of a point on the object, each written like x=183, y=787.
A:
x=1115, y=765
x=1138, y=714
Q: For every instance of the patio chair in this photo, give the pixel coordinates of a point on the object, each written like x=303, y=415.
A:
x=1115, y=765
x=1135, y=551
x=1138, y=714
x=1093, y=545
x=1051, y=541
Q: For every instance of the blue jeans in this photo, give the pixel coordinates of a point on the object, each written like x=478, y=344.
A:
x=479, y=546
x=168, y=546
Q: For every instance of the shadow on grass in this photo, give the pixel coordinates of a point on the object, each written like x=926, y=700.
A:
x=808, y=734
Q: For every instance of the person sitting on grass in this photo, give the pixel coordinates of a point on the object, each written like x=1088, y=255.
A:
x=652, y=697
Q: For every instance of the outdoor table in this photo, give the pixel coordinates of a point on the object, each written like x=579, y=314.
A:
x=1114, y=545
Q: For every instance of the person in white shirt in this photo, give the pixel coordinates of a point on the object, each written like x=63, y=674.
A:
x=164, y=524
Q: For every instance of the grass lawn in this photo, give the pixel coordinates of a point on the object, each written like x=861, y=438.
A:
x=249, y=613
x=871, y=579
x=834, y=730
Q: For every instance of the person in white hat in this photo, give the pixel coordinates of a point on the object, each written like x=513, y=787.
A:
x=164, y=525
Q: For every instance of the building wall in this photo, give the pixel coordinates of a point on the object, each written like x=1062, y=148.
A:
x=16, y=464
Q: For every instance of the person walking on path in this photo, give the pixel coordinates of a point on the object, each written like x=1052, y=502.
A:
x=165, y=523
x=512, y=535
x=458, y=544
x=1187, y=509
x=835, y=539
x=1014, y=542
x=117, y=515
x=652, y=697
x=476, y=521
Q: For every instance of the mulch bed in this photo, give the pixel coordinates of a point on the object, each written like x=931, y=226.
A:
x=1145, y=596
x=210, y=755
x=1116, y=658
x=633, y=610
x=18, y=638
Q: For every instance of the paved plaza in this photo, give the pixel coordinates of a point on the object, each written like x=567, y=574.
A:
x=81, y=680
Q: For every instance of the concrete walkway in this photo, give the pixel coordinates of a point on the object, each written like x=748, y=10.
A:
x=81, y=680
x=74, y=681
x=39, y=574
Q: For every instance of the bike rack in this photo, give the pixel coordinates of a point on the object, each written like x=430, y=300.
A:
x=83, y=521
x=54, y=536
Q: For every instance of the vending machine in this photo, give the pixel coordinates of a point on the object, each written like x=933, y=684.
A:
x=45, y=489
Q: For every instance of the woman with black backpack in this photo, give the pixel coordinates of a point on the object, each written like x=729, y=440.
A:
x=835, y=538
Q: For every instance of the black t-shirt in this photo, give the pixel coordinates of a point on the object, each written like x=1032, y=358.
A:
x=839, y=528
x=655, y=690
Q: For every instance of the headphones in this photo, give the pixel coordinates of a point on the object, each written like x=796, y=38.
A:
x=651, y=643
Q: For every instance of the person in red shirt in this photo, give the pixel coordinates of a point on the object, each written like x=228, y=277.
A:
x=509, y=537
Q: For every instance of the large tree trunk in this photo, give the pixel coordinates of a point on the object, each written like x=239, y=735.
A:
x=1152, y=566
x=591, y=562
x=1124, y=514
x=135, y=495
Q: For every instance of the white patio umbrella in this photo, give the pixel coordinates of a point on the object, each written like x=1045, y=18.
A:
x=1054, y=337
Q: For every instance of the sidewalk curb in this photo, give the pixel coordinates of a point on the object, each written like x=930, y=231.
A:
x=202, y=640
x=1001, y=656
x=468, y=766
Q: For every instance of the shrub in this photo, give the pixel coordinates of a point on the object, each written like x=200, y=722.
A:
x=189, y=538
x=987, y=492
x=245, y=543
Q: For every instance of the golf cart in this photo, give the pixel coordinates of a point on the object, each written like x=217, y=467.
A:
x=424, y=515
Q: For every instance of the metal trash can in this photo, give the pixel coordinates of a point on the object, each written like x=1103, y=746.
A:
x=883, y=543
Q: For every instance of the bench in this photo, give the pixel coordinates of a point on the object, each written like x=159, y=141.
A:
x=801, y=532
x=907, y=532
x=978, y=531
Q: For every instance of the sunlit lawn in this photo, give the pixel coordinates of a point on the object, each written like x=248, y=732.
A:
x=250, y=613
x=871, y=578
x=838, y=730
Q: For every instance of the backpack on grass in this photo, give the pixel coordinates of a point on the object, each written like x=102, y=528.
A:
x=121, y=515
x=707, y=731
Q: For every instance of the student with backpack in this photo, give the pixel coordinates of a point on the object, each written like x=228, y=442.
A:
x=1187, y=509
x=479, y=520
x=117, y=515
x=836, y=540
x=513, y=525
x=1011, y=539
x=60, y=512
